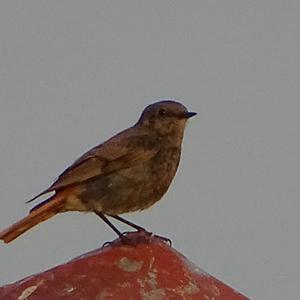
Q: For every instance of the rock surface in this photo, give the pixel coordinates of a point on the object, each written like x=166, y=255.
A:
x=148, y=270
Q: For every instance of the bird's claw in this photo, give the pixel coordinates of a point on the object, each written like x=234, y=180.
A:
x=137, y=237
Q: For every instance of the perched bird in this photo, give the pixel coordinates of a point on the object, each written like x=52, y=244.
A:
x=129, y=172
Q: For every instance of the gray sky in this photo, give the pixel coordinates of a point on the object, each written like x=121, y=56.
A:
x=72, y=73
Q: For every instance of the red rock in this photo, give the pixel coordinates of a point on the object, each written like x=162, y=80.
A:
x=149, y=270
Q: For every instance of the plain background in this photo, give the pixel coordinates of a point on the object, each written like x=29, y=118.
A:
x=73, y=73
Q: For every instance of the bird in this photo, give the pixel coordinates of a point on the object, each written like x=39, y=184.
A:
x=129, y=172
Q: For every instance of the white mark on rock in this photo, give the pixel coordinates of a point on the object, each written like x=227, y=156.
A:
x=191, y=288
x=124, y=285
x=30, y=290
x=149, y=287
x=186, y=290
x=158, y=294
x=70, y=290
x=27, y=292
x=129, y=265
x=105, y=294
x=215, y=290
x=152, y=282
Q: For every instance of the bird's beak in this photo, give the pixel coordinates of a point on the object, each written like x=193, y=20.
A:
x=190, y=114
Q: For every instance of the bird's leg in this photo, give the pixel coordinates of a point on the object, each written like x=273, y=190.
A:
x=111, y=225
x=123, y=236
x=137, y=227
x=141, y=229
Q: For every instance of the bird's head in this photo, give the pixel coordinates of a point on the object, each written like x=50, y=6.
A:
x=168, y=117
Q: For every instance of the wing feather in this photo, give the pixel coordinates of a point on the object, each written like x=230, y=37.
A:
x=122, y=151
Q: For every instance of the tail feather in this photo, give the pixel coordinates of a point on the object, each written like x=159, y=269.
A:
x=41, y=213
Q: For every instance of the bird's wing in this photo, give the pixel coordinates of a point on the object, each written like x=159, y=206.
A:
x=122, y=151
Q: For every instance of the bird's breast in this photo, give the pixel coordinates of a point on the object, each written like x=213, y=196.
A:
x=163, y=168
x=134, y=188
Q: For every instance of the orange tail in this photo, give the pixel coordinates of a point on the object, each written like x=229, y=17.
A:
x=36, y=216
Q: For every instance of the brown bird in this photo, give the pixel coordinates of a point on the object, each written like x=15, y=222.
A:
x=129, y=172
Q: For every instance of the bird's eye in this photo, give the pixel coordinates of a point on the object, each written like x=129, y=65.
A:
x=162, y=112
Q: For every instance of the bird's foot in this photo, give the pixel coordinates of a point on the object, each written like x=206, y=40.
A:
x=142, y=236
x=138, y=237
x=163, y=238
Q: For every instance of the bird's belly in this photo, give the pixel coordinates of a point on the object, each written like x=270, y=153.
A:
x=127, y=190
